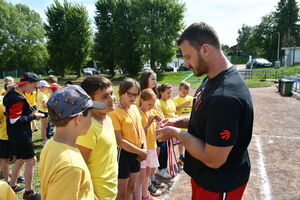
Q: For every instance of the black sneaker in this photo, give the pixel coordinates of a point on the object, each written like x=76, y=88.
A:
x=21, y=179
x=31, y=195
x=154, y=191
x=17, y=188
x=157, y=183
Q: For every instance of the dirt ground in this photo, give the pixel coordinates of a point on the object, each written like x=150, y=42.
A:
x=274, y=151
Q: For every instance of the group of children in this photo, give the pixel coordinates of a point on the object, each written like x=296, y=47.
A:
x=107, y=150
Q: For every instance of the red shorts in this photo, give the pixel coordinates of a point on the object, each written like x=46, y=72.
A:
x=200, y=193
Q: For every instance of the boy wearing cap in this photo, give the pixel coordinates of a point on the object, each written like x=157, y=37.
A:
x=42, y=98
x=18, y=118
x=63, y=172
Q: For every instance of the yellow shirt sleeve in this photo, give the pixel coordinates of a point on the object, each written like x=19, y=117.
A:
x=40, y=98
x=115, y=120
x=6, y=192
x=3, y=133
x=2, y=92
x=89, y=140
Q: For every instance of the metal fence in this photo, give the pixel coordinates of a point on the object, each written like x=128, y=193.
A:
x=267, y=74
x=13, y=73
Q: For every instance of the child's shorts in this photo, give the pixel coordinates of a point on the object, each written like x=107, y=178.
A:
x=5, y=149
x=128, y=163
x=23, y=150
x=151, y=161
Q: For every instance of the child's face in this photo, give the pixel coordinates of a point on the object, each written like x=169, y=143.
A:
x=147, y=105
x=130, y=96
x=183, y=92
x=105, y=96
x=9, y=81
x=152, y=81
x=44, y=89
x=165, y=95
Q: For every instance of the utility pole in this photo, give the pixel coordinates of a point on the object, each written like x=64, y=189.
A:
x=278, y=46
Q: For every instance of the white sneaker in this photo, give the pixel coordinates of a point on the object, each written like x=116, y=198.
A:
x=164, y=173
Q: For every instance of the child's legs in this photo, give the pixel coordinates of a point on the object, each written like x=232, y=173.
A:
x=5, y=168
x=44, y=123
x=139, y=184
x=15, y=171
x=131, y=184
x=146, y=181
x=29, y=170
x=122, y=189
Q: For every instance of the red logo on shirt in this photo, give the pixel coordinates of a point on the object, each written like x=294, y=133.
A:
x=225, y=135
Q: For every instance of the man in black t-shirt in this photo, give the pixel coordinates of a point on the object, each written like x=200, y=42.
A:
x=221, y=122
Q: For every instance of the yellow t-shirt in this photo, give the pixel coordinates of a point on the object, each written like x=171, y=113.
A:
x=63, y=173
x=150, y=133
x=102, y=162
x=3, y=133
x=168, y=108
x=31, y=98
x=40, y=98
x=130, y=124
x=6, y=192
x=2, y=92
x=186, y=110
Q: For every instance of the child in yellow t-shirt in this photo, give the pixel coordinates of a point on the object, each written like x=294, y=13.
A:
x=42, y=98
x=98, y=147
x=148, y=166
x=130, y=138
x=7, y=82
x=5, y=145
x=63, y=172
x=183, y=103
x=6, y=192
x=31, y=99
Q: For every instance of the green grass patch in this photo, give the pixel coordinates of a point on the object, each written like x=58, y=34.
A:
x=253, y=83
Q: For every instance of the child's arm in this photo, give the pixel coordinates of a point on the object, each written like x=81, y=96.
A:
x=183, y=105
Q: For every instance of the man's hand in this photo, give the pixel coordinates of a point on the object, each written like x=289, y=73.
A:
x=167, y=122
x=142, y=155
x=38, y=116
x=166, y=133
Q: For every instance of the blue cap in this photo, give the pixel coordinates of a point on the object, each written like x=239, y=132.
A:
x=70, y=101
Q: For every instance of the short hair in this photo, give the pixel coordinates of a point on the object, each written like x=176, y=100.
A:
x=147, y=94
x=52, y=79
x=59, y=123
x=144, y=80
x=93, y=83
x=126, y=84
x=185, y=85
x=198, y=34
x=69, y=83
x=8, y=78
x=163, y=87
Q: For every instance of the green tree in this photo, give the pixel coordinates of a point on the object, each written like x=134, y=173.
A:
x=244, y=34
x=69, y=37
x=104, y=37
x=159, y=23
x=287, y=17
x=21, y=38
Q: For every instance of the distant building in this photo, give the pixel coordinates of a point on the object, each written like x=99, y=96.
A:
x=291, y=55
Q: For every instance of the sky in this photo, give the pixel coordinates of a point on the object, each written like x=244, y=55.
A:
x=226, y=16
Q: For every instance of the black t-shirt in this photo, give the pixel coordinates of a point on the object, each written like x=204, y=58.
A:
x=222, y=115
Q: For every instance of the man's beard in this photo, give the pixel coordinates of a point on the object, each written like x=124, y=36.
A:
x=201, y=67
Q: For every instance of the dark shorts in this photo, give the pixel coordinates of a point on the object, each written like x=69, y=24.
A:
x=158, y=143
x=199, y=193
x=128, y=163
x=23, y=150
x=45, y=113
x=5, y=149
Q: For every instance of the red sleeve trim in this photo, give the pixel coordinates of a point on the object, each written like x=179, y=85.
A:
x=15, y=110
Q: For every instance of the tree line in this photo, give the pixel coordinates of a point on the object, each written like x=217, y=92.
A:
x=282, y=24
x=127, y=34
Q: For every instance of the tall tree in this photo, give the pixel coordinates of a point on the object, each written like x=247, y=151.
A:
x=69, y=37
x=159, y=24
x=287, y=17
x=104, y=37
x=21, y=38
x=77, y=38
x=244, y=34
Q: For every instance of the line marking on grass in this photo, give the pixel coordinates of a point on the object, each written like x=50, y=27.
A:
x=175, y=180
x=278, y=136
x=186, y=78
x=265, y=191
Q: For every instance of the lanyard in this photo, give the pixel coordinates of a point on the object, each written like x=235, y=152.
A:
x=134, y=123
x=20, y=92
